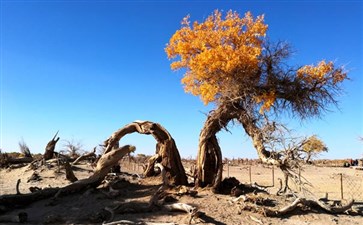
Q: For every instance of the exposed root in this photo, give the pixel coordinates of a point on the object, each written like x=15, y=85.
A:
x=17, y=187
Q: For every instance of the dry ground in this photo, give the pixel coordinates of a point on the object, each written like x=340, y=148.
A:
x=83, y=208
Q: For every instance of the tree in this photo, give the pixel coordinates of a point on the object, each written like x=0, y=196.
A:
x=231, y=63
x=313, y=146
x=73, y=148
x=24, y=148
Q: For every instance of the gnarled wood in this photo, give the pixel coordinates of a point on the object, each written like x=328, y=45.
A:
x=291, y=207
x=85, y=156
x=104, y=165
x=69, y=172
x=250, y=127
x=49, y=149
x=209, y=159
x=166, y=151
x=21, y=160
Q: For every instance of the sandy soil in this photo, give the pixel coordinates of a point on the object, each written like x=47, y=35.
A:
x=85, y=208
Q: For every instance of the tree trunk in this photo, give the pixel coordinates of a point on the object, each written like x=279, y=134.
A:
x=252, y=130
x=209, y=159
x=166, y=150
x=20, y=160
x=308, y=157
x=49, y=149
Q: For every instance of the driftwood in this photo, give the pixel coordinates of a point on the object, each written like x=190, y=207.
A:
x=85, y=156
x=191, y=210
x=153, y=205
x=163, y=174
x=166, y=151
x=69, y=172
x=306, y=202
x=12, y=201
x=103, y=167
x=12, y=160
x=157, y=200
x=267, y=211
x=49, y=149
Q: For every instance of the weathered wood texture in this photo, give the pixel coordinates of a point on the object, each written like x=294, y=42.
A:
x=166, y=151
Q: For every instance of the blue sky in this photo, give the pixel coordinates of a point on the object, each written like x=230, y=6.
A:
x=87, y=68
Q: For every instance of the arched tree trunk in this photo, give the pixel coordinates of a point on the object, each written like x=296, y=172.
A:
x=166, y=151
x=209, y=159
x=256, y=135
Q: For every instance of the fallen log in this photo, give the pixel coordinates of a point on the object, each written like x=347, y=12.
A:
x=291, y=207
x=103, y=167
x=13, y=201
x=11, y=160
x=85, y=156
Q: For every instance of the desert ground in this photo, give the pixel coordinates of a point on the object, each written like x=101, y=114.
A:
x=89, y=207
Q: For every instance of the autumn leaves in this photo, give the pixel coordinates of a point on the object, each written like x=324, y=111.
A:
x=213, y=52
x=224, y=51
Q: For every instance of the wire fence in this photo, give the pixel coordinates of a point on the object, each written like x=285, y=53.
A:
x=333, y=183
x=131, y=167
x=322, y=182
x=351, y=186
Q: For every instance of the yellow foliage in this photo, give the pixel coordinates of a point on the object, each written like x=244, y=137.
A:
x=224, y=57
x=268, y=100
x=217, y=51
x=321, y=73
x=314, y=144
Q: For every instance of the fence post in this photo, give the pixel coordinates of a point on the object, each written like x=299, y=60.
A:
x=227, y=168
x=299, y=178
x=273, y=176
x=341, y=186
x=250, y=175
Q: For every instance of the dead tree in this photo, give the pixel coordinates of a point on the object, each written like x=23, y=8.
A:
x=259, y=204
x=87, y=155
x=49, y=149
x=104, y=165
x=24, y=149
x=166, y=151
